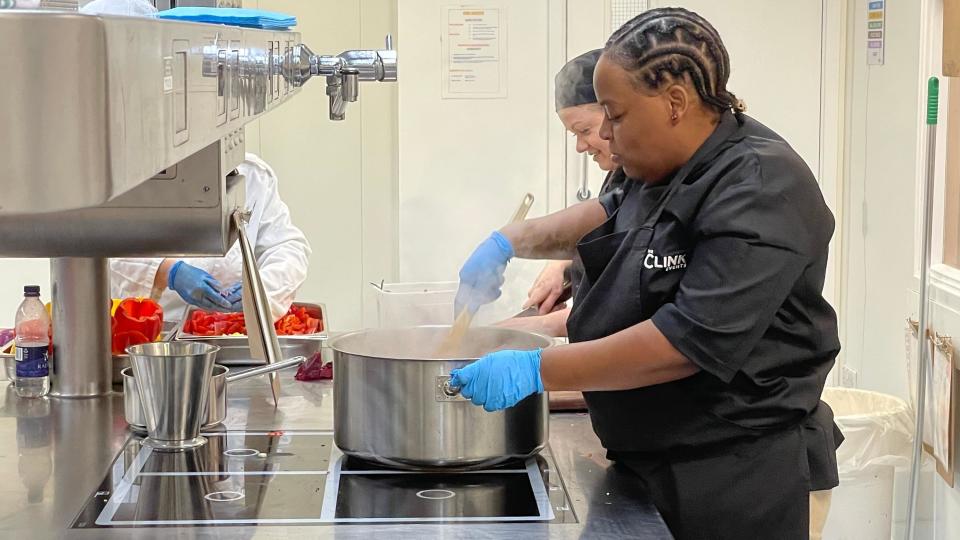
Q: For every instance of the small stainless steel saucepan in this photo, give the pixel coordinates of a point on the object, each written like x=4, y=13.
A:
x=216, y=406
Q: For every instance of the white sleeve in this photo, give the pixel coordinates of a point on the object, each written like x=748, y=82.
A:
x=207, y=264
x=133, y=277
x=282, y=250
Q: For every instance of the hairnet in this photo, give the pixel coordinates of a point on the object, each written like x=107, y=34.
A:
x=574, y=82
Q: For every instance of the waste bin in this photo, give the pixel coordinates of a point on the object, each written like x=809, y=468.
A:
x=877, y=430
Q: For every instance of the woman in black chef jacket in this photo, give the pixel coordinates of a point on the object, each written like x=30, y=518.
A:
x=700, y=335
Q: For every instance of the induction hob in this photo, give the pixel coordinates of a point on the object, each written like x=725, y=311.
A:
x=302, y=478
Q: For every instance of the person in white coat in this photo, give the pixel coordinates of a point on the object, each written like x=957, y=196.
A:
x=213, y=283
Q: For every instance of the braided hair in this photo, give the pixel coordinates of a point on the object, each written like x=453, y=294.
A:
x=663, y=45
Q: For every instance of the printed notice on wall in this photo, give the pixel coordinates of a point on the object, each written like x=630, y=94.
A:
x=474, y=53
x=876, y=23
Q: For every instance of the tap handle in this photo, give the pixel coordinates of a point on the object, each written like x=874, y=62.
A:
x=388, y=42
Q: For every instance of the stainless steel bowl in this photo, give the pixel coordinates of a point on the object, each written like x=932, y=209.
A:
x=121, y=361
x=215, y=410
x=132, y=408
x=216, y=401
x=173, y=380
x=390, y=403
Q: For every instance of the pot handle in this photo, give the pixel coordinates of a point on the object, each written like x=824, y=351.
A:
x=269, y=368
x=446, y=391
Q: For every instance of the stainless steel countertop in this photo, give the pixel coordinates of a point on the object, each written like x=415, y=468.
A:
x=55, y=452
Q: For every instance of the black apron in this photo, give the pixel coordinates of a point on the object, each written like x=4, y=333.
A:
x=614, y=180
x=708, y=477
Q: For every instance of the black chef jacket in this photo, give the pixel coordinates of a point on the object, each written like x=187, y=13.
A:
x=727, y=258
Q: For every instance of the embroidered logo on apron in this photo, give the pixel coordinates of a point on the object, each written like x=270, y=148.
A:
x=666, y=263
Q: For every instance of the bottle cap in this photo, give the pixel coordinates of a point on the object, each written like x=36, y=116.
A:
x=31, y=290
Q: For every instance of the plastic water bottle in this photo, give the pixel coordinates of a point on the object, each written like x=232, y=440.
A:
x=33, y=344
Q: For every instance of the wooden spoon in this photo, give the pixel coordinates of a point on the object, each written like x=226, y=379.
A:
x=451, y=344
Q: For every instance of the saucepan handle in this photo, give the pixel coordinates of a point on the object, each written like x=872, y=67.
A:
x=446, y=391
x=269, y=368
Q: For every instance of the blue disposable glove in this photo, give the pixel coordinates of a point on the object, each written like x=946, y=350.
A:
x=234, y=295
x=196, y=287
x=482, y=274
x=500, y=380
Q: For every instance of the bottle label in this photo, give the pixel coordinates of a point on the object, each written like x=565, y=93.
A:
x=32, y=362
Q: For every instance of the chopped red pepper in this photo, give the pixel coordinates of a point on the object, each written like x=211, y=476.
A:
x=297, y=321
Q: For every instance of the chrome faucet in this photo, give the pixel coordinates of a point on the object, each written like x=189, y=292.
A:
x=343, y=72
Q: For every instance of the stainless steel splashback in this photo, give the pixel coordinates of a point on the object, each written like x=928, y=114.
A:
x=92, y=106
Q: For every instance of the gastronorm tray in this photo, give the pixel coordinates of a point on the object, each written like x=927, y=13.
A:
x=235, y=350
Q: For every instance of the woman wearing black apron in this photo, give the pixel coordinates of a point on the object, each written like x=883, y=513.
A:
x=581, y=115
x=700, y=335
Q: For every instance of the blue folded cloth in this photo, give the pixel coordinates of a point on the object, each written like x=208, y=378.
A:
x=250, y=18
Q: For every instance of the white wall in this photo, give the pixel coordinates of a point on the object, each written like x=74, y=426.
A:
x=774, y=67
x=14, y=274
x=338, y=178
x=316, y=161
x=879, y=208
x=466, y=163
x=882, y=124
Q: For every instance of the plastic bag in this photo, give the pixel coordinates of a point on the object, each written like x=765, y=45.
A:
x=877, y=429
x=6, y=336
x=314, y=369
x=128, y=8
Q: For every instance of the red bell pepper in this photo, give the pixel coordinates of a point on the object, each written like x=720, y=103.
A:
x=122, y=340
x=136, y=321
x=141, y=314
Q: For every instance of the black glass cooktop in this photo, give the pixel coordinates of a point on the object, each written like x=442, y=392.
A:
x=300, y=477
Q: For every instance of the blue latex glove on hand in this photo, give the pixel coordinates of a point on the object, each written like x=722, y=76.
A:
x=500, y=380
x=482, y=275
x=234, y=295
x=196, y=287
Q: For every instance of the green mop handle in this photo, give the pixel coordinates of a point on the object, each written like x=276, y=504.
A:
x=933, y=100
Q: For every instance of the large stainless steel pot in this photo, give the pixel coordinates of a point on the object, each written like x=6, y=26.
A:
x=391, y=404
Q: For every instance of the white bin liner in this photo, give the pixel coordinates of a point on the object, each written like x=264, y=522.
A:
x=878, y=434
x=877, y=429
